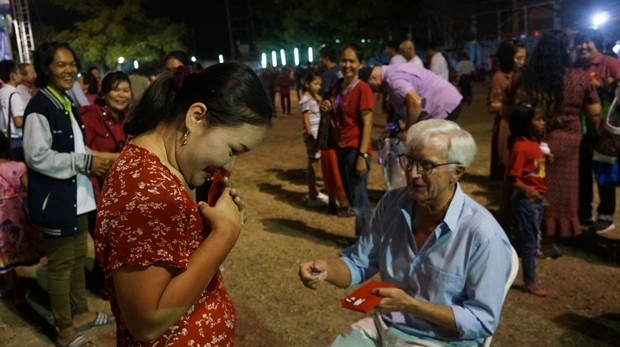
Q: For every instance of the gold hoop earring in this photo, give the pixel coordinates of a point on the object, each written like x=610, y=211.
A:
x=185, y=136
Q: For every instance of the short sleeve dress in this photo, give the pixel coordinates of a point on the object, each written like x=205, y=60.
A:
x=20, y=242
x=146, y=216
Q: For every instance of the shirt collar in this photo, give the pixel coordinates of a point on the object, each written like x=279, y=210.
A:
x=64, y=100
x=455, y=208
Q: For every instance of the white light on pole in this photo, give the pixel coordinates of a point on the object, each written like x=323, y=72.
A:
x=263, y=60
x=282, y=57
x=121, y=60
x=193, y=59
x=136, y=65
x=296, y=56
x=599, y=19
x=274, y=59
x=310, y=57
x=221, y=58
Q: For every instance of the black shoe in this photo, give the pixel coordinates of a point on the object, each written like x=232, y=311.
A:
x=601, y=226
x=586, y=222
x=344, y=212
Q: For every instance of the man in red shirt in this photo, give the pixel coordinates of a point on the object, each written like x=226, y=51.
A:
x=604, y=72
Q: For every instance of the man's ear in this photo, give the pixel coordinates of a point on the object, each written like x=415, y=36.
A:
x=457, y=173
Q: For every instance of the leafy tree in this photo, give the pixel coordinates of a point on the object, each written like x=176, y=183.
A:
x=109, y=32
x=314, y=22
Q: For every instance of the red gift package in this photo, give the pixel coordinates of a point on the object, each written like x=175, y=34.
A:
x=362, y=299
x=217, y=186
x=211, y=190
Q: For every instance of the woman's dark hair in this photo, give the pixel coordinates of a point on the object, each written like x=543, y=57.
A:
x=7, y=67
x=506, y=55
x=92, y=84
x=43, y=56
x=178, y=55
x=309, y=77
x=543, y=75
x=231, y=91
x=519, y=121
x=359, y=52
x=109, y=82
x=5, y=147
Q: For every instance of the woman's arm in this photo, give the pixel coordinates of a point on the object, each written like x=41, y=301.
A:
x=152, y=299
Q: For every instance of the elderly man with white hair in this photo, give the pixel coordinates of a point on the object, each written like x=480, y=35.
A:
x=446, y=256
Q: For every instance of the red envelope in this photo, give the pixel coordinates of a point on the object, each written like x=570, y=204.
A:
x=217, y=186
x=362, y=300
x=211, y=190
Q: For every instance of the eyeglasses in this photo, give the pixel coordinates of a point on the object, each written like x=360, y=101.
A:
x=423, y=167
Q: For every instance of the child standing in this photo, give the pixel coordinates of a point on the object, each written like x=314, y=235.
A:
x=311, y=115
x=526, y=171
x=20, y=242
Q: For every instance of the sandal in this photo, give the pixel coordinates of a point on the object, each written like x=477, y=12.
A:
x=100, y=320
x=536, y=289
x=78, y=341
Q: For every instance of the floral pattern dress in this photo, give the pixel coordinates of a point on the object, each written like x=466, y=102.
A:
x=20, y=242
x=146, y=216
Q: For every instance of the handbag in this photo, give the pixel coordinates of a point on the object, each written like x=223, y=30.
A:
x=608, y=142
x=325, y=136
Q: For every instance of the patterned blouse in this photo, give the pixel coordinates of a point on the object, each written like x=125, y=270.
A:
x=146, y=216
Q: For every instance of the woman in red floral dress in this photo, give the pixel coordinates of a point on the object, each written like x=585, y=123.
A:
x=160, y=250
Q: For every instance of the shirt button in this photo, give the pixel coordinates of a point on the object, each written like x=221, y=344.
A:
x=70, y=136
x=72, y=181
x=74, y=205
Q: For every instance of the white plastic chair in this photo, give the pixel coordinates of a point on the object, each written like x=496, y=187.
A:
x=514, y=268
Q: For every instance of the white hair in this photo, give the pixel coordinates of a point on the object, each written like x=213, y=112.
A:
x=461, y=146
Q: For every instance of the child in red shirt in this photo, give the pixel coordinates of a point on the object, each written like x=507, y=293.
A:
x=527, y=172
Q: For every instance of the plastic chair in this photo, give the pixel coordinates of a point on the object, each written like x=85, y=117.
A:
x=514, y=268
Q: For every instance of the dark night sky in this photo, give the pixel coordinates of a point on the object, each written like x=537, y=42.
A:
x=207, y=34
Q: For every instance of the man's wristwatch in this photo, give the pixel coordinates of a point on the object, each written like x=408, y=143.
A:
x=363, y=155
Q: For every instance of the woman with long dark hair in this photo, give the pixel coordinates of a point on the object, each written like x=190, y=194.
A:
x=511, y=57
x=562, y=92
x=160, y=250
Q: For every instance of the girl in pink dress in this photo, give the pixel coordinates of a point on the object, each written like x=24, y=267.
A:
x=20, y=242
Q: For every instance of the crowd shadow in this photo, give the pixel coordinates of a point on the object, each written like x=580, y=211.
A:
x=295, y=228
x=298, y=177
x=34, y=311
x=604, y=329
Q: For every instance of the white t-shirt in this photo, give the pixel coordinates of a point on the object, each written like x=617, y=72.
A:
x=465, y=67
x=17, y=106
x=397, y=59
x=439, y=65
x=24, y=92
x=417, y=60
x=85, y=194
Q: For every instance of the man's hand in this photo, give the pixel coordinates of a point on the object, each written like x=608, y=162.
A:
x=312, y=273
x=395, y=299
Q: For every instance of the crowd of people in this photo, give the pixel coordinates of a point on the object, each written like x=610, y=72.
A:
x=124, y=160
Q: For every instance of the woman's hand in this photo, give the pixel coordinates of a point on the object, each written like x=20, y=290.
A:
x=224, y=216
x=326, y=106
x=99, y=166
x=361, y=165
x=237, y=199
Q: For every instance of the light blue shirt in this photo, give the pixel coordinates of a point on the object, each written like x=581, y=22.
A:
x=464, y=264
